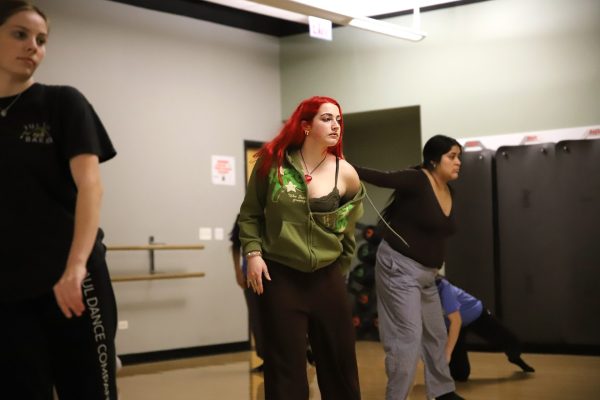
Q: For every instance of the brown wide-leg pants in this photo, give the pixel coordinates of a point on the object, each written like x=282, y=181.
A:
x=293, y=305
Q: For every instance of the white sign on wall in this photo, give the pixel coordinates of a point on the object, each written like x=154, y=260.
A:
x=223, y=170
x=320, y=28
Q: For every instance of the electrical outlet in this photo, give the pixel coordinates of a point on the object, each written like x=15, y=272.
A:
x=205, y=233
x=123, y=325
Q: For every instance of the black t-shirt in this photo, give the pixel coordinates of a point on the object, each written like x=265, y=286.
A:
x=416, y=215
x=45, y=128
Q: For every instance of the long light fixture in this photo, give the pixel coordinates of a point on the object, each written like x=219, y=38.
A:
x=386, y=28
x=254, y=7
x=334, y=12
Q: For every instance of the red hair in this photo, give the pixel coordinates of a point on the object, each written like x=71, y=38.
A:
x=292, y=135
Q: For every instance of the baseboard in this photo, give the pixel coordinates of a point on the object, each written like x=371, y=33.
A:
x=165, y=355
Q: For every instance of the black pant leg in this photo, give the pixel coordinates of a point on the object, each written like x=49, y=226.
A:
x=332, y=336
x=491, y=329
x=284, y=319
x=83, y=348
x=252, y=301
x=25, y=370
x=460, y=367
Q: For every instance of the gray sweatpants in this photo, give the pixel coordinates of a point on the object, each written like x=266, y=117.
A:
x=411, y=324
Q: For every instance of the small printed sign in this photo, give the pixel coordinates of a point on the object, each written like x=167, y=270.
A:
x=320, y=28
x=223, y=170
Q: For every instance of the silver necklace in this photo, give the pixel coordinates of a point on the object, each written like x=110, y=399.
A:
x=4, y=111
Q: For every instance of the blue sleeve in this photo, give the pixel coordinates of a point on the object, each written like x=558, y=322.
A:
x=448, y=297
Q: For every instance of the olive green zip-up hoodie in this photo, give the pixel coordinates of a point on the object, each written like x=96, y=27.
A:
x=276, y=219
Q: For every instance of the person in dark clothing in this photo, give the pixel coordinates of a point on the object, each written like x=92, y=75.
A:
x=250, y=296
x=410, y=316
x=56, y=296
x=464, y=313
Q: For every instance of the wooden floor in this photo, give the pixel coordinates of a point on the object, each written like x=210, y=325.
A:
x=227, y=377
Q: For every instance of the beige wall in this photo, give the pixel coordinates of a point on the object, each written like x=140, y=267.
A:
x=493, y=67
x=383, y=139
x=172, y=91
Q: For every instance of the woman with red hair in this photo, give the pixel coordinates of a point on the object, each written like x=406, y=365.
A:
x=297, y=230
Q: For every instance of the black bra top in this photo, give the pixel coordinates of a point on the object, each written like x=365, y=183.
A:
x=330, y=201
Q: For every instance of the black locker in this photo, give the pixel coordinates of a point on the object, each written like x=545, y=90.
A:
x=528, y=242
x=530, y=277
x=578, y=199
x=470, y=255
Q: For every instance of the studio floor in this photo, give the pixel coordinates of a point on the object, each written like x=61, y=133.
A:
x=228, y=377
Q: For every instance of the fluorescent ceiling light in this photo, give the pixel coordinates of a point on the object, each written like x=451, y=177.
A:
x=387, y=28
x=369, y=8
x=362, y=8
x=341, y=13
x=263, y=9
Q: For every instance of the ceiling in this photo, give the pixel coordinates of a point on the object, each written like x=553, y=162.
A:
x=255, y=17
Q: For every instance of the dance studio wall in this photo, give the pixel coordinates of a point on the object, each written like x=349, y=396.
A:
x=172, y=91
x=528, y=244
x=485, y=68
x=382, y=139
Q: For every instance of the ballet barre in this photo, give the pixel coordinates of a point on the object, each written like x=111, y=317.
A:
x=151, y=247
x=159, y=247
x=155, y=277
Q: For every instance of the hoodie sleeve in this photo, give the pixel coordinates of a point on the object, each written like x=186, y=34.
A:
x=252, y=212
x=348, y=239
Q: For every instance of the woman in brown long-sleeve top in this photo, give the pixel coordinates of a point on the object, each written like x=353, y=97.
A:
x=411, y=323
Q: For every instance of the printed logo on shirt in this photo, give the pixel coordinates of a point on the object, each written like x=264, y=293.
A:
x=336, y=222
x=36, y=133
x=293, y=186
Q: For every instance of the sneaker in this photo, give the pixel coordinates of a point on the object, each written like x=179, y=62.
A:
x=519, y=361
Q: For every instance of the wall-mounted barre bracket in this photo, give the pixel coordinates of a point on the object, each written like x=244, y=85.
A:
x=155, y=277
x=152, y=246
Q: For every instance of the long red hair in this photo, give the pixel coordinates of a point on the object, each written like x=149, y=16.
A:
x=292, y=135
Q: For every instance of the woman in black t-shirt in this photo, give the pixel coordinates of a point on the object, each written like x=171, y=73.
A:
x=411, y=323
x=55, y=291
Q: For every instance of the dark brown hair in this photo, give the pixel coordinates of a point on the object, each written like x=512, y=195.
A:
x=8, y=8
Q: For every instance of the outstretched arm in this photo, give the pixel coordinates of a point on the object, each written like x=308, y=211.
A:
x=403, y=179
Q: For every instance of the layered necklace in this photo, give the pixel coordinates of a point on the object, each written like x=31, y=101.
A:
x=4, y=111
x=308, y=174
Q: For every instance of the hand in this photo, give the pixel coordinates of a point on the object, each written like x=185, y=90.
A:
x=448, y=356
x=68, y=292
x=256, y=268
